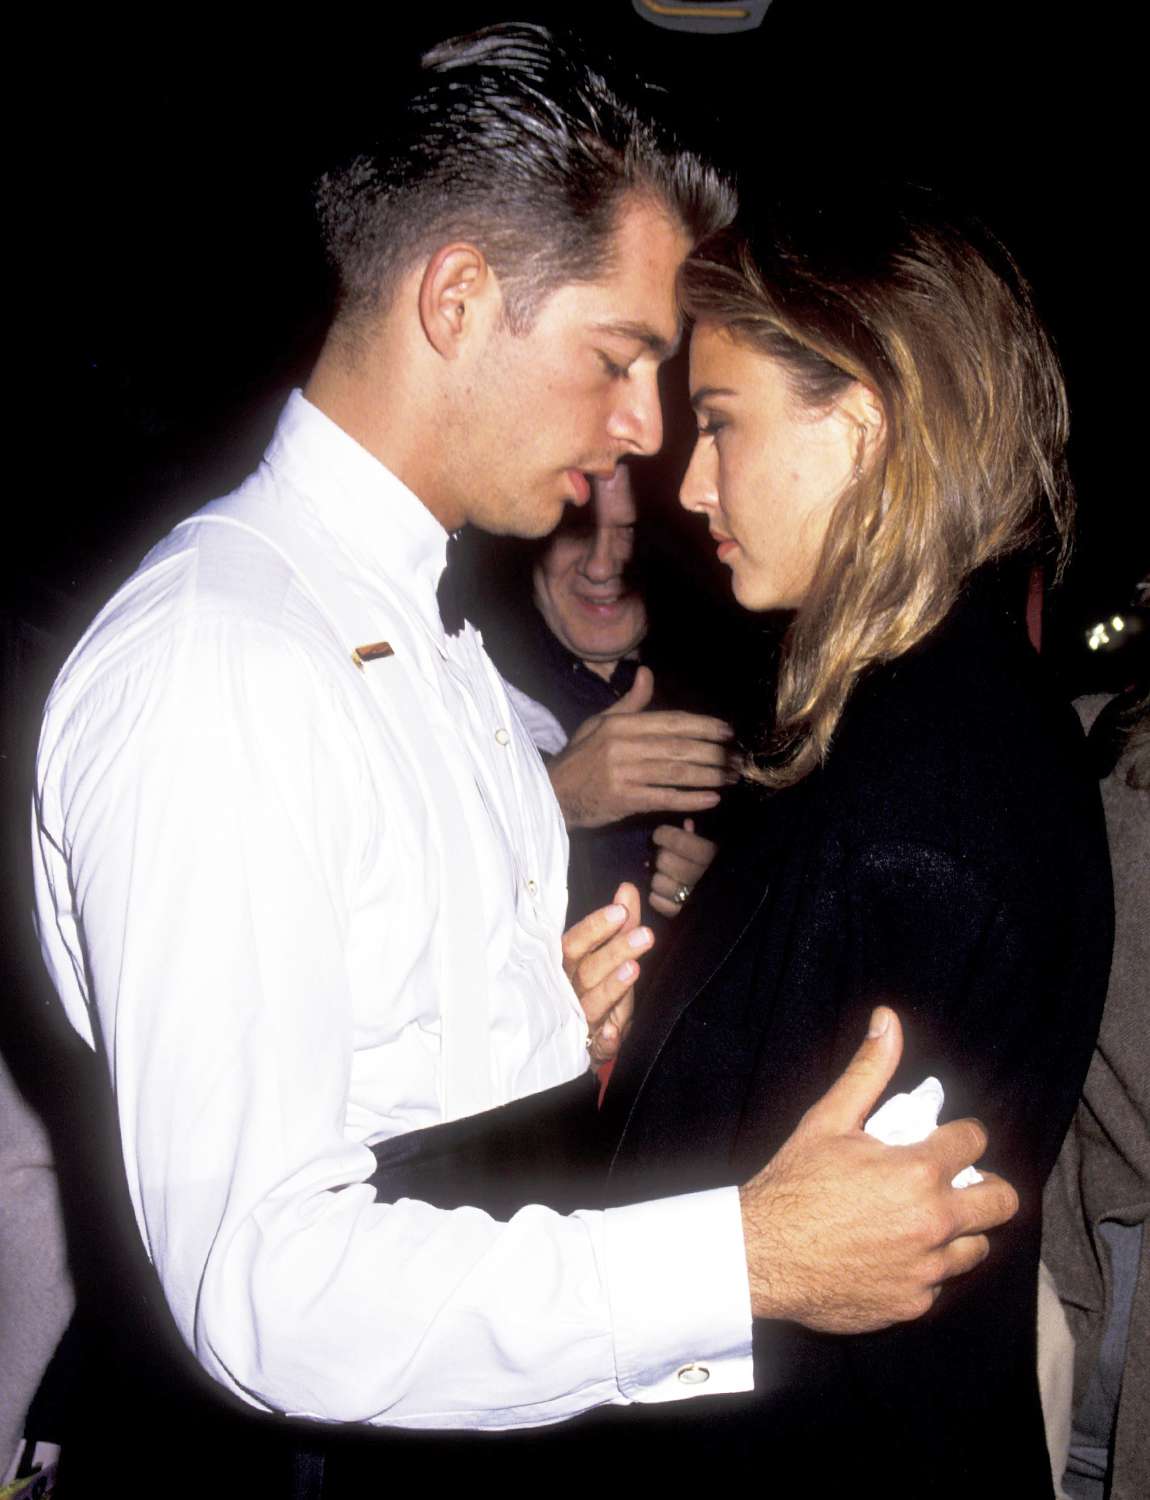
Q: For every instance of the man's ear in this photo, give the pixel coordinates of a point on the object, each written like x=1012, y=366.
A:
x=458, y=296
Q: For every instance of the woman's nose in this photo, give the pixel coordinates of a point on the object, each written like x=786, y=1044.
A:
x=698, y=489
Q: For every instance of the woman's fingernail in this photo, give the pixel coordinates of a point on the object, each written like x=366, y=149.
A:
x=879, y=1021
x=627, y=970
x=616, y=913
x=639, y=938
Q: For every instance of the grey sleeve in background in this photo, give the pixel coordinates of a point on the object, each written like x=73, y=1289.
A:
x=36, y=1297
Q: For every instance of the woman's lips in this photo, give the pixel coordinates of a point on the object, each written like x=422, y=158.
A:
x=724, y=545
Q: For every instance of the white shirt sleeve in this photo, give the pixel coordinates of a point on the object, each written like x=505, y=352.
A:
x=204, y=812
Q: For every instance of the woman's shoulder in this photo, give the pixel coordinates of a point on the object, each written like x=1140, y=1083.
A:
x=962, y=743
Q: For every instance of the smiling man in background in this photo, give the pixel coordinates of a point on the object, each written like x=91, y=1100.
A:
x=617, y=765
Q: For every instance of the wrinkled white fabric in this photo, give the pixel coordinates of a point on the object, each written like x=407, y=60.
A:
x=545, y=730
x=906, y=1119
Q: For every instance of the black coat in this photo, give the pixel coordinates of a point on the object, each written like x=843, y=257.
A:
x=948, y=859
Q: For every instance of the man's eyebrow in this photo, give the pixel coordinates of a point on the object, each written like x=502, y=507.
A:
x=707, y=393
x=644, y=334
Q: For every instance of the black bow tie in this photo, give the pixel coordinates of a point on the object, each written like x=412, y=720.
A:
x=449, y=594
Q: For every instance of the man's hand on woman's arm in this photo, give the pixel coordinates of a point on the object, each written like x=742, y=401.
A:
x=846, y=1235
x=842, y=1233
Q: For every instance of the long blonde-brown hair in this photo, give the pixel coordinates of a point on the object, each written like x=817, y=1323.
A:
x=933, y=317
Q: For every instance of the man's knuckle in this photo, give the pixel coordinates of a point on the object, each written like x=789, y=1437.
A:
x=917, y=1304
x=921, y=1176
x=925, y=1225
x=937, y=1224
x=933, y=1267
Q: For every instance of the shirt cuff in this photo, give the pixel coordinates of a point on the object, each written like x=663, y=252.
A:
x=680, y=1299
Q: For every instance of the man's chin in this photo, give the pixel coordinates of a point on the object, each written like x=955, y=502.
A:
x=601, y=652
x=527, y=525
x=541, y=520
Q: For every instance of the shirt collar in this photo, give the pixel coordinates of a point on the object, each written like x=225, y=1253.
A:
x=384, y=526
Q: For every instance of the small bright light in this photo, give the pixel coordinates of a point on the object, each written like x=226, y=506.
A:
x=1117, y=622
x=1096, y=636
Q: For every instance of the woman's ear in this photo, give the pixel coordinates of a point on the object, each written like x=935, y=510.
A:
x=863, y=409
x=456, y=295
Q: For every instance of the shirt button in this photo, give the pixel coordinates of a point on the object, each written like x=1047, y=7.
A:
x=533, y=887
x=693, y=1374
x=502, y=737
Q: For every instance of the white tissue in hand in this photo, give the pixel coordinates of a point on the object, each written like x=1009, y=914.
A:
x=908, y=1118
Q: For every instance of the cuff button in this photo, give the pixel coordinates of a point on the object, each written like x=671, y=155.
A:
x=693, y=1374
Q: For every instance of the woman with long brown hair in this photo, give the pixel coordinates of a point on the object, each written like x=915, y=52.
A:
x=882, y=424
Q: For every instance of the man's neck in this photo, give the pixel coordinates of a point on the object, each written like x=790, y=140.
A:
x=604, y=669
x=351, y=385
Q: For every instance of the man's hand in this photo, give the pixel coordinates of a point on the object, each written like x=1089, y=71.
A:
x=600, y=956
x=626, y=761
x=846, y=1235
x=683, y=857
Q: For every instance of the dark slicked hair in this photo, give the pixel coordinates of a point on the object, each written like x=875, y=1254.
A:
x=514, y=141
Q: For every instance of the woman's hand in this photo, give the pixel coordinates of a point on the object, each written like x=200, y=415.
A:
x=683, y=858
x=600, y=956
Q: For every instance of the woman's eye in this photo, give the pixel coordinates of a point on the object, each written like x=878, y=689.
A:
x=711, y=428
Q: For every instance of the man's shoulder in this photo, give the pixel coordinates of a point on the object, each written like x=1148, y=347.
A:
x=209, y=586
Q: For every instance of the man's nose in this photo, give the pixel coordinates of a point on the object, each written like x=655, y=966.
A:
x=637, y=417
x=602, y=561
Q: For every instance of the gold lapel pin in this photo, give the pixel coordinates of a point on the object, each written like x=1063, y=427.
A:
x=375, y=652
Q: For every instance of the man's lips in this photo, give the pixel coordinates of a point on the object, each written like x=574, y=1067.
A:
x=580, y=484
x=580, y=480
x=601, y=604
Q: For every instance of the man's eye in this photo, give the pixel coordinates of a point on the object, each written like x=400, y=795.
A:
x=615, y=370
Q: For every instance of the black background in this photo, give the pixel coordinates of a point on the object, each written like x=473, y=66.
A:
x=194, y=294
